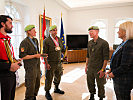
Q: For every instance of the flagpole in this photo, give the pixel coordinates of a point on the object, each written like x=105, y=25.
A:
x=42, y=38
x=40, y=32
x=63, y=38
x=41, y=45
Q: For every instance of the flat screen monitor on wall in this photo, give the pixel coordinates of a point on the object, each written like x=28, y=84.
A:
x=75, y=42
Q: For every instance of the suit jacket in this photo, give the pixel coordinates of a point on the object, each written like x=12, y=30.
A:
x=122, y=63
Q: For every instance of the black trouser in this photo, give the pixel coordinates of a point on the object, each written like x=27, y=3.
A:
x=8, y=86
x=122, y=90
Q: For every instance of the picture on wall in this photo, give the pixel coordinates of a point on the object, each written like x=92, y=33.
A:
x=48, y=24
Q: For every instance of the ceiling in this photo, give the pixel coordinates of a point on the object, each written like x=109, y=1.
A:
x=88, y=3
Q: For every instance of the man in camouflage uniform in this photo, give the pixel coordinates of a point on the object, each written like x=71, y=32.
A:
x=53, y=47
x=29, y=52
x=96, y=61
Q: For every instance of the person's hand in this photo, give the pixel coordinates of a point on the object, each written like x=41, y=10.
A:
x=15, y=66
x=20, y=60
x=111, y=75
x=37, y=55
x=109, y=71
x=101, y=74
x=44, y=55
x=48, y=67
x=107, y=75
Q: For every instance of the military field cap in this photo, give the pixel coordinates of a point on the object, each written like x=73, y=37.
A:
x=52, y=27
x=93, y=28
x=29, y=27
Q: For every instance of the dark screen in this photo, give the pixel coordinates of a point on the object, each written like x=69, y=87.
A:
x=75, y=42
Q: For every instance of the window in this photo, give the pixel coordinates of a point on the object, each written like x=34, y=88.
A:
x=118, y=40
x=102, y=26
x=16, y=36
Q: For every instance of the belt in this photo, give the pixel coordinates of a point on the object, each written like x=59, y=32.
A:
x=4, y=61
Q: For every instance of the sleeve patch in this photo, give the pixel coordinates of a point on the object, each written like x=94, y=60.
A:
x=22, y=49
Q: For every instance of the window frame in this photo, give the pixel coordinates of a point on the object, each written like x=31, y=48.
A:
x=117, y=40
x=104, y=21
x=17, y=21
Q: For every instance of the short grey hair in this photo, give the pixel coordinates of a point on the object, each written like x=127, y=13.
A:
x=128, y=27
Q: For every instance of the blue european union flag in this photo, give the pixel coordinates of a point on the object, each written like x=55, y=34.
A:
x=62, y=34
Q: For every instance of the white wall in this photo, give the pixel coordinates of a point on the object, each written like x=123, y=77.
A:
x=75, y=21
x=53, y=10
x=80, y=20
x=2, y=3
x=30, y=10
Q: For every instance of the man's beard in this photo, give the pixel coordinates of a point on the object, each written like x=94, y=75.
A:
x=7, y=30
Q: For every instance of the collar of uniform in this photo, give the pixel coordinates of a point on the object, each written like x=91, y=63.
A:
x=3, y=36
x=56, y=37
x=96, y=40
x=32, y=38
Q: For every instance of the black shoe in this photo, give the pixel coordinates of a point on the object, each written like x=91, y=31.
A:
x=34, y=98
x=100, y=98
x=59, y=91
x=92, y=97
x=48, y=96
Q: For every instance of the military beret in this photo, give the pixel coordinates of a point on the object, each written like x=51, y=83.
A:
x=52, y=27
x=29, y=27
x=93, y=28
